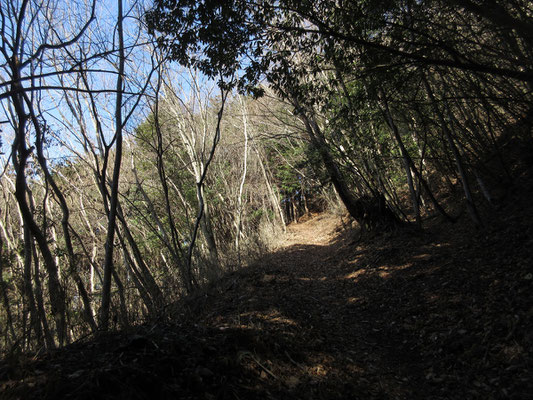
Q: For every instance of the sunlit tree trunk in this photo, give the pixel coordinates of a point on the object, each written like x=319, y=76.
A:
x=238, y=217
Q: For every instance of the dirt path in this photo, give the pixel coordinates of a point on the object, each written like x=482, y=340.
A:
x=320, y=229
x=441, y=315
x=428, y=316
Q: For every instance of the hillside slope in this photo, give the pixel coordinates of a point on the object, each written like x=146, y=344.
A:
x=444, y=314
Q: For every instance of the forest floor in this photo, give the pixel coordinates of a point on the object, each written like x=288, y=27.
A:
x=442, y=314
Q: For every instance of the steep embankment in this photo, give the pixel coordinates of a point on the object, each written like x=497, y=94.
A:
x=447, y=314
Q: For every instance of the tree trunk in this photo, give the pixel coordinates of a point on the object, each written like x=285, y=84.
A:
x=28, y=287
x=41, y=312
x=274, y=200
x=405, y=156
x=73, y=265
x=238, y=218
x=421, y=179
x=472, y=210
x=108, y=261
x=209, y=236
x=370, y=213
x=5, y=298
x=20, y=157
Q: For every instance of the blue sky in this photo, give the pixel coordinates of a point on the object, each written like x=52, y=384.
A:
x=68, y=18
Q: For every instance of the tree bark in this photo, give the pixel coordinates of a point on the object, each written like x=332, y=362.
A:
x=108, y=262
x=370, y=213
x=471, y=206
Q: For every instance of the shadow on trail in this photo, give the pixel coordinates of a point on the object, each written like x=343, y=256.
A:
x=433, y=316
x=442, y=316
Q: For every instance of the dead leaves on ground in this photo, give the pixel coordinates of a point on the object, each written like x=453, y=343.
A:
x=447, y=314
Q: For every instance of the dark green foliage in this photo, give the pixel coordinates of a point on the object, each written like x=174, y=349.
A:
x=212, y=36
x=361, y=70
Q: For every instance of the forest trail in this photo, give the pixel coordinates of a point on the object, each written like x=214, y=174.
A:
x=319, y=229
x=447, y=314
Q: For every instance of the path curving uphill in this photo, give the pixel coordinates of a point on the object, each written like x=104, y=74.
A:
x=442, y=315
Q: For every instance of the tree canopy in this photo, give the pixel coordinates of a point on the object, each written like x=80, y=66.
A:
x=149, y=150
x=329, y=58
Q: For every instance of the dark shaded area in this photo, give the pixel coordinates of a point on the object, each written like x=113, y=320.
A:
x=443, y=314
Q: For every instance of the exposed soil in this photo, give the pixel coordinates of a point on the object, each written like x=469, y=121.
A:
x=443, y=314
